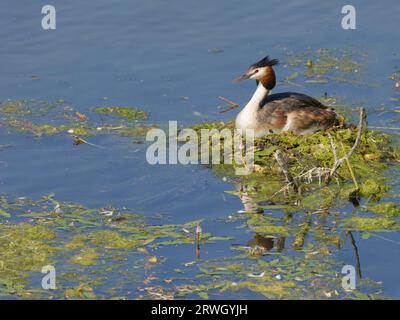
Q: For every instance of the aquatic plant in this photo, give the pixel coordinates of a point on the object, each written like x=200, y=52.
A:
x=128, y=113
x=322, y=65
x=27, y=116
x=79, y=242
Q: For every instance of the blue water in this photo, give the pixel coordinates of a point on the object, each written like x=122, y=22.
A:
x=158, y=56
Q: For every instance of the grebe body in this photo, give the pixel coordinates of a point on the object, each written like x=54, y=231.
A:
x=274, y=113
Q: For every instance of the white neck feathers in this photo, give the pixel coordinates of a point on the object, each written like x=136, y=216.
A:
x=260, y=93
x=255, y=101
x=246, y=119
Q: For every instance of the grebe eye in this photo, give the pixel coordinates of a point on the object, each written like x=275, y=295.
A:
x=255, y=71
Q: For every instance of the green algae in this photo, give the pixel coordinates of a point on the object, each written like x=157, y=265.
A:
x=83, y=292
x=24, y=248
x=28, y=107
x=111, y=240
x=36, y=129
x=368, y=224
x=128, y=113
x=40, y=130
x=270, y=229
x=309, y=276
x=30, y=116
x=277, y=290
x=77, y=129
x=83, y=244
x=390, y=209
x=319, y=66
x=85, y=257
x=5, y=214
x=374, y=188
x=15, y=107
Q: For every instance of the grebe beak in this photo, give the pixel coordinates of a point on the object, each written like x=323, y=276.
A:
x=249, y=73
x=242, y=77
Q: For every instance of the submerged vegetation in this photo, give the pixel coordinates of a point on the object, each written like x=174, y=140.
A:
x=26, y=116
x=123, y=112
x=64, y=234
x=320, y=66
x=312, y=276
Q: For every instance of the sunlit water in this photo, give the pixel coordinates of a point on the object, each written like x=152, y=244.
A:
x=161, y=57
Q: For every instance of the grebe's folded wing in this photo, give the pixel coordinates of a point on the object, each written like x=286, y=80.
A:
x=295, y=112
x=292, y=100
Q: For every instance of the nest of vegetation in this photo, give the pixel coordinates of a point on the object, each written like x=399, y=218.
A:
x=350, y=158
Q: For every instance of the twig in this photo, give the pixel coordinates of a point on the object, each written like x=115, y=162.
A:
x=350, y=168
x=198, y=237
x=358, y=264
x=314, y=172
x=115, y=128
x=298, y=85
x=78, y=141
x=281, y=190
x=338, y=162
x=333, y=146
x=228, y=101
x=198, y=232
x=300, y=237
x=288, y=175
x=233, y=104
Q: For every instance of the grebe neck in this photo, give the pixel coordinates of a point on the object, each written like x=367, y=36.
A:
x=259, y=95
x=247, y=118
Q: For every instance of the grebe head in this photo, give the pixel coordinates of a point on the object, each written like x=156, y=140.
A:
x=261, y=71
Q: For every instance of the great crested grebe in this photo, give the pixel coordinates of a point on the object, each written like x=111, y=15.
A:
x=287, y=111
